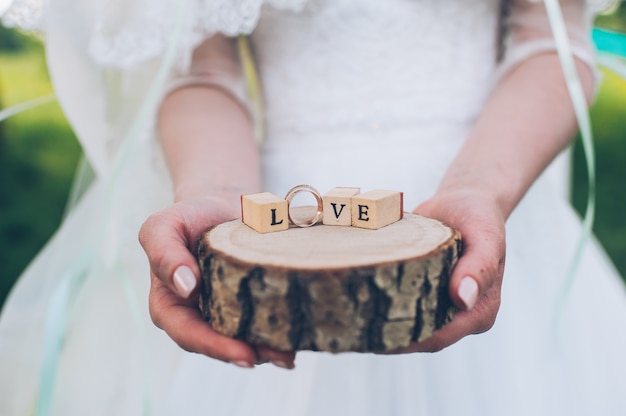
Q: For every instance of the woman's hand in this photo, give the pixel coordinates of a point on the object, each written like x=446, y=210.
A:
x=525, y=123
x=169, y=238
x=477, y=277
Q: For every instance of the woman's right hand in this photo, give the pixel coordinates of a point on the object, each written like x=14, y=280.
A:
x=169, y=239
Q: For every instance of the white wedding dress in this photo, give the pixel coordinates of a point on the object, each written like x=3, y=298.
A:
x=358, y=93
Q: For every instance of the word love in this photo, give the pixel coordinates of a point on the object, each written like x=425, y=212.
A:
x=266, y=213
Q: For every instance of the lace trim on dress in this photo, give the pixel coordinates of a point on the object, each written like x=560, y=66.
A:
x=597, y=6
x=126, y=33
x=25, y=14
x=123, y=40
x=529, y=31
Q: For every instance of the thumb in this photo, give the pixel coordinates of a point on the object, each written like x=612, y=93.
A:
x=477, y=277
x=167, y=243
x=481, y=264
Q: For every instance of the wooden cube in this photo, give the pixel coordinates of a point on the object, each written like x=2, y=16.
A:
x=337, y=206
x=264, y=212
x=376, y=209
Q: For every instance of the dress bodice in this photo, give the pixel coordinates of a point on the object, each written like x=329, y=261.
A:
x=341, y=64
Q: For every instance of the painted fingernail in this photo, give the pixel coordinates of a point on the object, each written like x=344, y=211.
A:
x=243, y=364
x=282, y=364
x=184, y=281
x=468, y=292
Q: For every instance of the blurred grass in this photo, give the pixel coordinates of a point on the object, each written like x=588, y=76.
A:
x=609, y=127
x=39, y=152
x=38, y=155
x=616, y=20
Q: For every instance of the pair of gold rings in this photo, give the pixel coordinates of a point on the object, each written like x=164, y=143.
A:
x=304, y=188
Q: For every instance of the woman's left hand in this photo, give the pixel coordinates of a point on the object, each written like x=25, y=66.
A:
x=477, y=277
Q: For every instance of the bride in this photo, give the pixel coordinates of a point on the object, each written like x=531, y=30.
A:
x=462, y=106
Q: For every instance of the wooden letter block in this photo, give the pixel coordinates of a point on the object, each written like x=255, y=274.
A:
x=337, y=206
x=264, y=212
x=375, y=209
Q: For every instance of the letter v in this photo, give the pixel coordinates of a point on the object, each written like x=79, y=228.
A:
x=337, y=214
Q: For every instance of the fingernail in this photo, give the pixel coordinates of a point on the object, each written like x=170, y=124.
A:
x=243, y=364
x=184, y=281
x=468, y=292
x=282, y=364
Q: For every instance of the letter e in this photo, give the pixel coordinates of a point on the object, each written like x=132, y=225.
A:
x=363, y=213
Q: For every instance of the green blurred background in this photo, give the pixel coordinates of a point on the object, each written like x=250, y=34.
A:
x=39, y=154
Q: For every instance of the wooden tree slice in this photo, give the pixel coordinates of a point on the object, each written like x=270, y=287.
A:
x=329, y=288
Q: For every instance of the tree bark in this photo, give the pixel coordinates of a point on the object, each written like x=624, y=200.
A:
x=329, y=288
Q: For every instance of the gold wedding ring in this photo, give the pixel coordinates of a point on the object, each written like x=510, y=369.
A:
x=304, y=188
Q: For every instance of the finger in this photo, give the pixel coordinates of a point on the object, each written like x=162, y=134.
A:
x=183, y=323
x=443, y=338
x=282, y=359
x=480, y=266
x=480, y=319
x=165, y=240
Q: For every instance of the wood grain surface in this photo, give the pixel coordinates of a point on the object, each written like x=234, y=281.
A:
x=329, y=288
